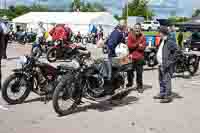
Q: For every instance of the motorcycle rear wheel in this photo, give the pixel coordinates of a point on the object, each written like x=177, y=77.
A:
x=65, y=91
x=15, y=89
x=52, y=55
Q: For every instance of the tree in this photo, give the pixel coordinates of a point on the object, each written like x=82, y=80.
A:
x=196, y=13
x=86, y=7
x=138, y=8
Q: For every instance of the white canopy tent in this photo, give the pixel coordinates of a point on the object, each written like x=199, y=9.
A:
x=78, y=21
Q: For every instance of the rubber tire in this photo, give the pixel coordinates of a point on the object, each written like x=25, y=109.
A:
x=48, y=54
x=36, y=52
x=5, y=95
x=155, y=62
x=149, y=29
x=59, y=88
x=192, y=73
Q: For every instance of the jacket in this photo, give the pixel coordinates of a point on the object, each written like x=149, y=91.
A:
x=115, y=38
x=136, y=46
x=1, y=44
x=58, y=33
x=169, y=53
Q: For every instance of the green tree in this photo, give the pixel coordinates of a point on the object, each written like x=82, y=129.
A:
x=196, y=13
x=86, y=7
x=138, y=8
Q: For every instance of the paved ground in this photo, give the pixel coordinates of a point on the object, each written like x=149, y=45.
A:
x=138, y=113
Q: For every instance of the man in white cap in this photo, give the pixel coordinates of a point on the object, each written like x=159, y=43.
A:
x=115, y=38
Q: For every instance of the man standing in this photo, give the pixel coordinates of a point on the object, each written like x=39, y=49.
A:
x=136, y=45
x=1, y=49
x=180, y=39
x=115, y=38
x=4, y=26
x=166, y=59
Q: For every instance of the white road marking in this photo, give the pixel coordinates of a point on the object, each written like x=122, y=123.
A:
x=3, y=108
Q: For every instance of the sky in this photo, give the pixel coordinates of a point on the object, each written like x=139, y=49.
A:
x=162, y=8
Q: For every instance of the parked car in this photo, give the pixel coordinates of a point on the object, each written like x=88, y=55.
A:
x=151, y=25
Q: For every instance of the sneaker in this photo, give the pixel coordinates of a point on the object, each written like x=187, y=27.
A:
x=166, y=99
x=158, y=97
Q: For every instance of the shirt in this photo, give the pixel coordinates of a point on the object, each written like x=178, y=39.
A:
x=4, y=28
x=160, y=51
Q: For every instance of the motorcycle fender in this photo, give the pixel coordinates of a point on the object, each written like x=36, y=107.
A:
x=20, y=72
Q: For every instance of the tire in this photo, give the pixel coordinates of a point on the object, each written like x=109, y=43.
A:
x=193, y=66
x=36, y=52
x=152, y=60
x=105, y=50
x=84, y=41
x=49, y=55
x=61, y=88
x=5, y=90
x=149, y=29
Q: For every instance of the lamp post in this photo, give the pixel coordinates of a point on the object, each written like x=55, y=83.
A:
x=5, y=4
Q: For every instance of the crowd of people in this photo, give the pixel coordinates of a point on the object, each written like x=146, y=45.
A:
x=136, y=44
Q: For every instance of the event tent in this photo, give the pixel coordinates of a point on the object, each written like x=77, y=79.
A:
x=78, y=21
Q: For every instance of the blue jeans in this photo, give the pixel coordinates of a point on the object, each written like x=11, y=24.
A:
x=165, y=78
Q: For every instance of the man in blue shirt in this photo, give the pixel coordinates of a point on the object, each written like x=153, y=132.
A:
x=115, y=38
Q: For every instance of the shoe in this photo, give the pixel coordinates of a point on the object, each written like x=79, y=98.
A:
x=140, y=89
x=158, y=97
x=166, y=99
x=129, y=85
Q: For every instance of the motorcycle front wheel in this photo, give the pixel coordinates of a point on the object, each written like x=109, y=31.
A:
x=52, y=55
x=66, y=97
x=15, y=89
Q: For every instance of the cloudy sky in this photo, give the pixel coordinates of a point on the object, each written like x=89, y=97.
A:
x=162, y=8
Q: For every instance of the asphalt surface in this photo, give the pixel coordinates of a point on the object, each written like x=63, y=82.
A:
x=137, y=113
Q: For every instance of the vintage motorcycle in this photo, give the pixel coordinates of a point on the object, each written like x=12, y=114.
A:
x=186, y=62
x=62, y=51
x=18, y=85
x=89, y=80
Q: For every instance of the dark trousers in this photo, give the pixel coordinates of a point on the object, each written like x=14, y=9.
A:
x=0, y=73
x=165, y=78
x=138, y=68
x=6, y=38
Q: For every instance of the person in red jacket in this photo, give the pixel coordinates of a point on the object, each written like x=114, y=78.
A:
x=60, y=32
x=136, y=45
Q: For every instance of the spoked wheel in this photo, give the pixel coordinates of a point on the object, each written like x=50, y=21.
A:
x=66, y=97
x=193, y=65
x=36, y=52
x=15, y=89
x=52, y=55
